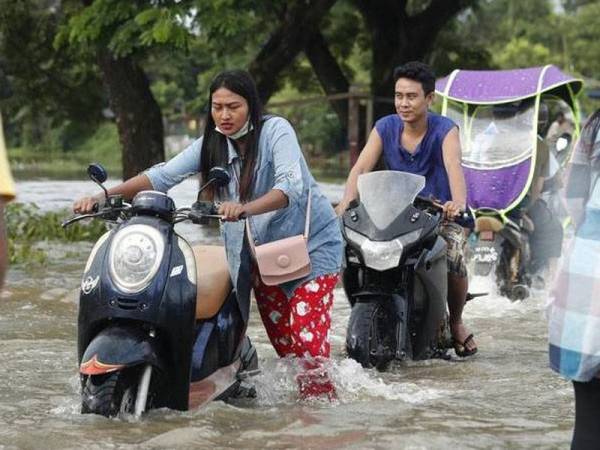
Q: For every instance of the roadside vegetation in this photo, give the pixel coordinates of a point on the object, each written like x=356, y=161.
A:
x=30, y=231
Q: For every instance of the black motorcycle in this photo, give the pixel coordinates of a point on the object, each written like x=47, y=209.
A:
x=144, y=341
x=395, y=273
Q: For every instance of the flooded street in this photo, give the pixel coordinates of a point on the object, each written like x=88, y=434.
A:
x=504, y=397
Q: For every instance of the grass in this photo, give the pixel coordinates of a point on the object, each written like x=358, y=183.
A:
x=102, y=146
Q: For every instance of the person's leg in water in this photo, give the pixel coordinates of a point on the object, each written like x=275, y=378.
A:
x=458, y=284
x=586, y=433
x=299, y=326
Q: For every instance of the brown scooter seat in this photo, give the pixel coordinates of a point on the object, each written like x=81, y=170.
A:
x=488, y=223
x=213, y=282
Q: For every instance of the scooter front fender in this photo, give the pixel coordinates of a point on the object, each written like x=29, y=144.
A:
x=117, y=347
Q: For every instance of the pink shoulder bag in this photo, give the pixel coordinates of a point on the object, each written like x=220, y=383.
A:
x=285, y=259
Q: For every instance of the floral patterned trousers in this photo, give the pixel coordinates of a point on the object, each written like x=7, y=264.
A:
x=299, y=326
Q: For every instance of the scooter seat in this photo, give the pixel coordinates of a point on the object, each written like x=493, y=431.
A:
x=488, y=223
x=213, y=282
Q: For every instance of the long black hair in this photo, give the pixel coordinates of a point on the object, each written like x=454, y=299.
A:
x=214, y=145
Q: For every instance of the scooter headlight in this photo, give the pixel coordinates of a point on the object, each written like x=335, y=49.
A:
x=382, y=255
x=135, y=255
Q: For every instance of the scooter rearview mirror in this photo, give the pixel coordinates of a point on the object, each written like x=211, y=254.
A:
x=219, y=176
x=98, y=175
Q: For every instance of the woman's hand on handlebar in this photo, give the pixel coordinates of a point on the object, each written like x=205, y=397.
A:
x=452, y=209
x=86, y=205
x=231, y=211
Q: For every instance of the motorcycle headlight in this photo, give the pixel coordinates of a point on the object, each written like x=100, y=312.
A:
x=382, y=255
x=135, y=255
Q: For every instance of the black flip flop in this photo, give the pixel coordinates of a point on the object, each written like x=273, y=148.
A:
x=461, y=349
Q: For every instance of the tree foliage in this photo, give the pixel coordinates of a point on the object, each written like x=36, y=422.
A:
x=58, y=54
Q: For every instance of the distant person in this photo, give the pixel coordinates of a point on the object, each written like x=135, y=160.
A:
x=7, y=187
x=418, y=141
x=574, y=311
x=559, y=126
x=546, y=232
x=547, y=236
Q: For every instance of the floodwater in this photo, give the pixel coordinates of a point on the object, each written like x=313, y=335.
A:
x=504, y=397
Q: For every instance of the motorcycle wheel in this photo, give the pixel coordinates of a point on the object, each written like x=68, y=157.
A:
x=110, y=394
x=370, y=336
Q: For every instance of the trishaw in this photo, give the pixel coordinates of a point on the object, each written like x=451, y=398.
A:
x=498, y=113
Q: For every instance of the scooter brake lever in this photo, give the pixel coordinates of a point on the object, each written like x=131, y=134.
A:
x=68, y=222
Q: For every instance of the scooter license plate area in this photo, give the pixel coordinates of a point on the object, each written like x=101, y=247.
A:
x=486, y=235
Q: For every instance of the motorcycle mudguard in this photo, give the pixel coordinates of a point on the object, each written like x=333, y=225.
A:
x=398, y=305
x=485, y=256
x=118, y=347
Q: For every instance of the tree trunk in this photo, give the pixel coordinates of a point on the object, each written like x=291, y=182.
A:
x=299, y=23
x=329, y=74
x=398, y=38
x=138, y=115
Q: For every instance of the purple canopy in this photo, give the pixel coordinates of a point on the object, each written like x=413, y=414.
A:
x=499, y=86
x=496, y=188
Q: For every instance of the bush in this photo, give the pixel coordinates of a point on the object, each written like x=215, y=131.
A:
x=28, y=227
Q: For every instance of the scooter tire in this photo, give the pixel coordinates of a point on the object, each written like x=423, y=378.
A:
x=368, y=335
x=110, y=394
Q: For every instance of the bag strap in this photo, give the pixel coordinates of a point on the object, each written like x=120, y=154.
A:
x=306, y=224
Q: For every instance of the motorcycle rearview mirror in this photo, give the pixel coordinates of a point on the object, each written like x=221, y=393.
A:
x=563, y=142
x=98, y=175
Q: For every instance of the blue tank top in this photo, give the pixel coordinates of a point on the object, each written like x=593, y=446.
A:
x=426, y=160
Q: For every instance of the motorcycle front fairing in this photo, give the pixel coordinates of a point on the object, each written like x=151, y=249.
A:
x=164, y=310
x=421, y=291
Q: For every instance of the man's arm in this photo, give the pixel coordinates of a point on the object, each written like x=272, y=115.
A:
x=367, y=159
x=452, y=155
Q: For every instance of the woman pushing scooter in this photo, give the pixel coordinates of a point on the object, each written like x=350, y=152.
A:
x=289, y=247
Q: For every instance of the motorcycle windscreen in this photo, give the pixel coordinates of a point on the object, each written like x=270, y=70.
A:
x=385, y=194
x=498, y=142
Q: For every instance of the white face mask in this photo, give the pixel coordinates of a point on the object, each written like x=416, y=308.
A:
x=241, y=132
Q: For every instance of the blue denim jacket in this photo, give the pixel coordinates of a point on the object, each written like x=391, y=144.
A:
x=280, y=165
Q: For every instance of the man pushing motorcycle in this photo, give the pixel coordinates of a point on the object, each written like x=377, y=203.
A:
x=418, y=141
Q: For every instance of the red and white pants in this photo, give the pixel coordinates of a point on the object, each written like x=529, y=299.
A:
x=299, y=326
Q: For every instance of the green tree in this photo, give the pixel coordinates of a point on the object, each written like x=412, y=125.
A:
x=52, y=90
x=581, y=36
x=118, y=36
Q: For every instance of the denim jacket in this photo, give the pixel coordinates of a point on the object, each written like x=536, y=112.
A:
x=279, y=165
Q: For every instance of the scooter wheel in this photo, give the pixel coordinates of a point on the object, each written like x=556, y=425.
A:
x=110, y=394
